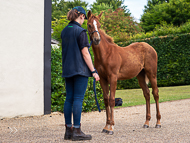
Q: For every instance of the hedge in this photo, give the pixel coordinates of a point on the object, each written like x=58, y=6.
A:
x=58, y=92
x=173, y=61
x=173, y=69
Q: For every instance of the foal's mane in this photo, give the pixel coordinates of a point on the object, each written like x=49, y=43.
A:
x=108, y=38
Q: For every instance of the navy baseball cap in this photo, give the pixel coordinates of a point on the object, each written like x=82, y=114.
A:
x=80, y=10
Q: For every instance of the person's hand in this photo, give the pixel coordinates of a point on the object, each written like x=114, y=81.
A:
x=96, y=76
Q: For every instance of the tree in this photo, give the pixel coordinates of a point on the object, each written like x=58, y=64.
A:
x=96, y=9
x=58, y=8
x=58, y=26
x=152, y=3
x=72, y=4
x=113, y=3
x=61, y=7
x=175, y=12
x=119, y=26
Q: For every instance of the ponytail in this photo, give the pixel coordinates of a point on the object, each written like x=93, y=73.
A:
x=73, y=14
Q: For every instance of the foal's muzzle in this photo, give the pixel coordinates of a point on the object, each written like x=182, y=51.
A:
x=96, y=40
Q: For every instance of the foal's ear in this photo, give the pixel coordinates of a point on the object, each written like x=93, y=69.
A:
x=89, y=14
x=99, y=16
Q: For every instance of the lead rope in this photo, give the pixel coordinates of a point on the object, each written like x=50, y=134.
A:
x=94, y=85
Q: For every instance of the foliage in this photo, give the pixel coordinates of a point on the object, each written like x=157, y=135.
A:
x=61, y=7
x=152, y=3
x=58, y=91
x=58, y=8
x=175, y=12
x=173, y=60
x=162, y=30
x=119, y=26
x=96, y=9
x=115, y=3
x=59, y=24
x=173, y=69
x=105, y=5
x=72, y=4
x=173, y=53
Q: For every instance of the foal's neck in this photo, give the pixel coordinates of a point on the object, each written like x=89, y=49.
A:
x=102, y=50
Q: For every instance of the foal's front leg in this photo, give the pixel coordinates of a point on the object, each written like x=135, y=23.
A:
x=105, y=88
x=113, y=85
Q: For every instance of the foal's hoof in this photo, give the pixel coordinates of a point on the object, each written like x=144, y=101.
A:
x=158, y=126
x=145, y=126
x=104, y=131
x=110, y=132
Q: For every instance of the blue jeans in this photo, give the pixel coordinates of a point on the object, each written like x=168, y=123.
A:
x=75, y=90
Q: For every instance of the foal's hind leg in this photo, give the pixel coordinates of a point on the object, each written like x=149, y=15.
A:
x=153, y=81
x=146, y=92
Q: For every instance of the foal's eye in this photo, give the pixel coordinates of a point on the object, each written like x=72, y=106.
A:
x=89, y=26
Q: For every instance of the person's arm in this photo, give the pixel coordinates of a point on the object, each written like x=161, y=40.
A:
x=88, y=60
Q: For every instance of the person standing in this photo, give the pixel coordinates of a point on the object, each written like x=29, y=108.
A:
x=77, y=66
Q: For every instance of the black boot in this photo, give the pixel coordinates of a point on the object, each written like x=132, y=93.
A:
x=68, y=133
x=79, y=135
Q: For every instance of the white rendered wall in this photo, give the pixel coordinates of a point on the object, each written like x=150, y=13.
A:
x=21, y=58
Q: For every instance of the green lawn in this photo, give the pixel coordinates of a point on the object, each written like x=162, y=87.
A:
x=132, y=97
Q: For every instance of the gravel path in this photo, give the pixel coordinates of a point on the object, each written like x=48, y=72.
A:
x=129, y=121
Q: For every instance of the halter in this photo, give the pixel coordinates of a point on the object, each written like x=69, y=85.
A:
x=90, y=33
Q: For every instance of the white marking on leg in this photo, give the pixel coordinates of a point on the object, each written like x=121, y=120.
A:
x=95, y=25
x=112, y=126
x=146, y=79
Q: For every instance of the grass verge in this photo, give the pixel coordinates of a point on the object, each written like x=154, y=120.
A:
x=133, y=97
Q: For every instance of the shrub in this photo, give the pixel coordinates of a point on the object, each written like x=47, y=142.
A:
x=173, y=61
x=58, y=91
x=162, y=30
x=119, y=26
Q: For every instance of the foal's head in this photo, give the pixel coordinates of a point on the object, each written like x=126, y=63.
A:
x=93, y=27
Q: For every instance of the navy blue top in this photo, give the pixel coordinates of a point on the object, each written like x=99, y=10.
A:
x=83, y=40
x=74, y=39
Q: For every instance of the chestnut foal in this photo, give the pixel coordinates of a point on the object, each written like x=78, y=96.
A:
x=118, y=63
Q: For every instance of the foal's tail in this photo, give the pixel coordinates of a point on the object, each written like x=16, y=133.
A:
x=146, y=79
